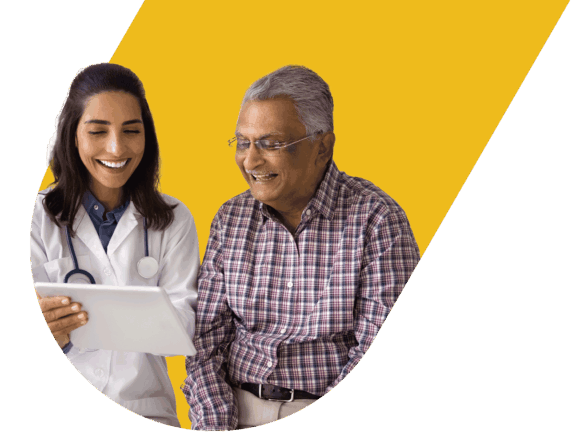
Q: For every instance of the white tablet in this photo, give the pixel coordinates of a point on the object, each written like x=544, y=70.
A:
x=125, y=318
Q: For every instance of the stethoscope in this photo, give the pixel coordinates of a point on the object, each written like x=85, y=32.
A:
x=147, y=266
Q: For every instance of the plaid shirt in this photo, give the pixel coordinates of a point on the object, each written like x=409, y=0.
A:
x=297, y=311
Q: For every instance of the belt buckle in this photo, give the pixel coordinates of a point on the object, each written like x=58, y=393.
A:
x=276, y=400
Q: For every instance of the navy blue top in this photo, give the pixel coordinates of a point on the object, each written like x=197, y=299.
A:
x=104, y=228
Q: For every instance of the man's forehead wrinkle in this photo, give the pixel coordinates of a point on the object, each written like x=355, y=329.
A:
x=260, y=137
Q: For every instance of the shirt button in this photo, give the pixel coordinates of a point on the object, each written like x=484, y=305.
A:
x=283, y=331
x=107, y=272
x=269, y=364
x=95, y=207
x=99, y=372
x=290, y=284
x=308, y=212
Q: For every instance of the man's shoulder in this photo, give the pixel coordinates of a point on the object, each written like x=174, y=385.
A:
x=366, y=194
x=245, y=199
x=241, y=206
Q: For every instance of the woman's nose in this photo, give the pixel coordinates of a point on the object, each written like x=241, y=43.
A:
x=114, y=144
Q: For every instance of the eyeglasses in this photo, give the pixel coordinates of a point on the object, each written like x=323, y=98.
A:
x=268, y=147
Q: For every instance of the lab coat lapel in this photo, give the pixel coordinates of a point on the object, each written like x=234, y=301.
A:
x=128, y=222
x=86, y=232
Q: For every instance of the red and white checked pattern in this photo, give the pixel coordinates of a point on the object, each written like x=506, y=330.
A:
x=295, y=311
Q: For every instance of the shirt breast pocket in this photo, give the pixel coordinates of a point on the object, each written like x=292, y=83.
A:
x=332, y=312
x=59, y=268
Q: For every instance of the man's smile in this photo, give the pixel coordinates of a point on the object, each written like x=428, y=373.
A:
x=262, y=177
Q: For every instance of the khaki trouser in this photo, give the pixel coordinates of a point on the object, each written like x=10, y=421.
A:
x=253, y=411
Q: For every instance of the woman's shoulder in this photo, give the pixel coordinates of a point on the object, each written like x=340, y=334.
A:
x=39, y=206
x=40, y=217
x=40, y=196
x=181, y=211
x=170, y=200
x=183, y=224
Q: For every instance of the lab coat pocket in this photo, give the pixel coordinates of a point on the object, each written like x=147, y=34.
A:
x=58, y=269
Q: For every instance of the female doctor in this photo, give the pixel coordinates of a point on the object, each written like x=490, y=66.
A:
x=101, y=220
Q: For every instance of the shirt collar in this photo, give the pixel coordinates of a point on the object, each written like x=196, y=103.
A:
x=325, y=198
x=95, y=208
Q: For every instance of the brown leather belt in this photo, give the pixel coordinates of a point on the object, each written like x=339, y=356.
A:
x=275, y=393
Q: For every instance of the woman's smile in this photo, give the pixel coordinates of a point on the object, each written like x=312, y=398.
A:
x=114, y=165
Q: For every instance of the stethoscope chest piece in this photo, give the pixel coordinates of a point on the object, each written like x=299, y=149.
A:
x=147, y=267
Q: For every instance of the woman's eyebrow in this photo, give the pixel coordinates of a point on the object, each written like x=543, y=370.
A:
x=131, y=122
x=103, y=122
x=106, y=122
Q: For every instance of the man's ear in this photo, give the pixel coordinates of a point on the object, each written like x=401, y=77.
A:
x=326, y=148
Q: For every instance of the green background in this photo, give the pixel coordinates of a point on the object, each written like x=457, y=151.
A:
x=480, y=339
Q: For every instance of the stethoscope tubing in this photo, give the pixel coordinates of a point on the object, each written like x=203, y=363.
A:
x=145, y=238
x=143, y=270
x=77, y=269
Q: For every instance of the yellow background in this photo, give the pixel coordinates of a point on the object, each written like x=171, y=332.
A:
x=419, y=88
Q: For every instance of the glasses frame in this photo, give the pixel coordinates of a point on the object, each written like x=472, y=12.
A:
x=280, y=146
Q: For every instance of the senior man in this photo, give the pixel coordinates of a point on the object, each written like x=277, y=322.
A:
x=300, y=271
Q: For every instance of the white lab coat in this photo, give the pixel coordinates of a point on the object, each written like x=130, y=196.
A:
x=136, y=381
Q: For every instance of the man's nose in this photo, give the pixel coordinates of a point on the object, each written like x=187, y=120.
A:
x=253, y=158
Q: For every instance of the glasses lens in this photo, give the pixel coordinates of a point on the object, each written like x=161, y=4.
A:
x=268, y=146
x=242, y=145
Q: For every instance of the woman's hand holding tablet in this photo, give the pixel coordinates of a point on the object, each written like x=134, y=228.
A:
x=62, y=317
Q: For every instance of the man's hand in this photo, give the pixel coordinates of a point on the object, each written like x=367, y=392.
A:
x=62, y=317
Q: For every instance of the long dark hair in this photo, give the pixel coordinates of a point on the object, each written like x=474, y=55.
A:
x=71, y=177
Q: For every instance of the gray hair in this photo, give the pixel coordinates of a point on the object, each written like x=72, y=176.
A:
x=310, y=94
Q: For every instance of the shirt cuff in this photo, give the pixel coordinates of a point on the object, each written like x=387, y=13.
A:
x=66, y=348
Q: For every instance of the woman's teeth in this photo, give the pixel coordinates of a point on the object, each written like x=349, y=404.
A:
x=113, y=164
